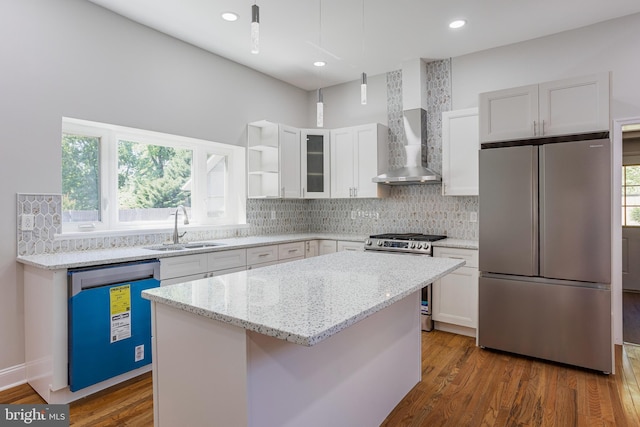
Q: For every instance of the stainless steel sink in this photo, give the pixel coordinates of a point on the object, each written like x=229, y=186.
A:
x=199, y=245
x=183, y=246
x=165, y=247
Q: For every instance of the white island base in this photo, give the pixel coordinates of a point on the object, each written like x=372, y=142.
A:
x=211, y=373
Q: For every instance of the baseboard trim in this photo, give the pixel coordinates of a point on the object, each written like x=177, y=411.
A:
x=13, y=376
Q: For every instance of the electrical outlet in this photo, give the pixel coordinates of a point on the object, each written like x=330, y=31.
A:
x=27, y=222
x=273, y=214
x=353, y=214
x=473, y=216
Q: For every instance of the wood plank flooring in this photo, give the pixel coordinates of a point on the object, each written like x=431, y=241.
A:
x=462, y=385
x=631, y=317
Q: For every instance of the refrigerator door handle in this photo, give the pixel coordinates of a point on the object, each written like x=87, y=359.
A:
x=541, y=208
x=535, y=215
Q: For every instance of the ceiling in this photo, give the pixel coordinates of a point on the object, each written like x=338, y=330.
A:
x=355, y=36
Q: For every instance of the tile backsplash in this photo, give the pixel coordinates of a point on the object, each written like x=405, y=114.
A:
x=47, y=212
x=413, y=208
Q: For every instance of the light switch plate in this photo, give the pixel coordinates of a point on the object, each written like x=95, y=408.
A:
x=473, y=216
x=27, y=222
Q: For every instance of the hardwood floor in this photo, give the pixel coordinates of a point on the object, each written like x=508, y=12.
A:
x=631, y=317
x=462, y=385
x=127, y=404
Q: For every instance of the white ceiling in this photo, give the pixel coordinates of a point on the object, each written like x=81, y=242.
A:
x=294, y=34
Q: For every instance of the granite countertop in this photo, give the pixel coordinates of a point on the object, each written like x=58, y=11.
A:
x=111, y=256
x=456, y=243
x=309, y=300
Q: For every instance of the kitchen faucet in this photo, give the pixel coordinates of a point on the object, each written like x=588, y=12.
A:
x=176, y=236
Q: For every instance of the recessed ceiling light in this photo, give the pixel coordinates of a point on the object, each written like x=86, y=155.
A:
x=457, y=23
x=319, y=63
x=229, y=16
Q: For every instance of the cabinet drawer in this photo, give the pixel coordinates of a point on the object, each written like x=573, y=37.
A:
x=262, y=264
x=326, y=247
x=349, y=246
x=469, y=255
x=291, y=250
x=227, y=259
x=182, y=266
x=182, y=279
x=262, y=254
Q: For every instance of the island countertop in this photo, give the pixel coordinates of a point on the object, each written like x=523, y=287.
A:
x=306, y=301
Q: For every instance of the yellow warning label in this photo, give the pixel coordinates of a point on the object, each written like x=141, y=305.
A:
x=120, y=299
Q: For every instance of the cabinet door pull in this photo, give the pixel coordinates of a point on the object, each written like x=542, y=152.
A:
x=534, y=128
x=293, y=250
x=542, y=134
x=261, y=255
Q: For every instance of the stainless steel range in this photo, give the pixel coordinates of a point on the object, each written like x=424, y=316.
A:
x=409, y=244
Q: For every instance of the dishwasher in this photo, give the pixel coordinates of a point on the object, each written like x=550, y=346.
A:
x=109, y=323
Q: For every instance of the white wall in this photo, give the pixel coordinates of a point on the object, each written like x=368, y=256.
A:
x=608, y=46
x=73, y=58
x=342, y=106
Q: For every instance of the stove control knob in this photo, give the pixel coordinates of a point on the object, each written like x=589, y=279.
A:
x=419, y=245
x=412, y=245
x=379, y=243
x=367, y=242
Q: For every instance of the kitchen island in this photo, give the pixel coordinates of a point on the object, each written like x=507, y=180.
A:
x=330, y=340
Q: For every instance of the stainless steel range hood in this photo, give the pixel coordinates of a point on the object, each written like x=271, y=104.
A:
x=414, y=75
x=412, y=172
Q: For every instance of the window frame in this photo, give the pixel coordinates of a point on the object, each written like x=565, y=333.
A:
x=110, y=135
x=624, y=195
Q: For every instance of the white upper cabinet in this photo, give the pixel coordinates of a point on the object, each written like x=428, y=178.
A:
x=263, y=159
x=273, y=160
x=460, y=146
x=358, y=154
x=290, y=152
x=575, y=105
x=508, y=114
x=562, y=107
x=315, y=163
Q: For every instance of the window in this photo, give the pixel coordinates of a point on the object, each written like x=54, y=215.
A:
x=631, y=195
x=115, y=177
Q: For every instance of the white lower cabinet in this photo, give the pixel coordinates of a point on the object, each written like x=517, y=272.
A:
x=455, y=296
x=311, y=248
x=320, y=247
x=349, y=246
x=291, y=251
x=327, y=247
x=199, y=266
x=263, y=256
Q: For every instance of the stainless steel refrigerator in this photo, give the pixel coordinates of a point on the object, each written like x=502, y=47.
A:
x=545, y=251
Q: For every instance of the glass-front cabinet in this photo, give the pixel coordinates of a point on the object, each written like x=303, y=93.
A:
x=315, y=161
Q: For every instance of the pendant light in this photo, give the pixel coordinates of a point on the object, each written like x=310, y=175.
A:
x=320, y=103
x=363, y=81
x=320, y=110
x=255, y=29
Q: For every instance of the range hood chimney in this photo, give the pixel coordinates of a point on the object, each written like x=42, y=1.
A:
x=414, y=117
